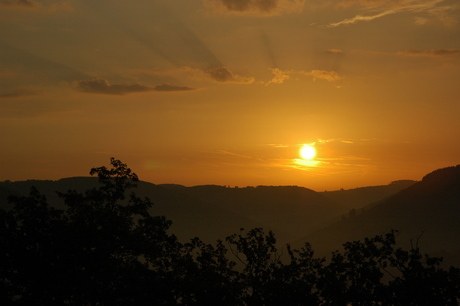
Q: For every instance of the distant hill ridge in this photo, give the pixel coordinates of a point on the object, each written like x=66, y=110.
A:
x=446, y=179
x=362, y=196
x=212, y=212
x=296, y=213
x=429, y=208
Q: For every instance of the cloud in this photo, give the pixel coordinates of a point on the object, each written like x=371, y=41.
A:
x=244, y=5
x=444, y=14
x=279, y=76
x=102, y=86
x=220, y=74
x=335, y=51
x=170, y=87
x=360, y=18
x=393, y=4
x=256, y=7
x=368, y=3
x=420, y=20
x=380, y=8
x=432, y=53
x=330, y=76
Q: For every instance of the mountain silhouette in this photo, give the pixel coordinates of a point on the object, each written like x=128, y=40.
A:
x=359, y=197
x=426, y=214
x=287, y=210
x=211, y=212
x=191, y=217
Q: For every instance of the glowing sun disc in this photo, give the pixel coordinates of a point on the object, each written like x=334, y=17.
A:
x=307, y=152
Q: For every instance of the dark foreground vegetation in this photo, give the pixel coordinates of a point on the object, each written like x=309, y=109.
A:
x=105, y=248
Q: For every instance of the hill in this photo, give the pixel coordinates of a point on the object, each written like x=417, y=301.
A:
x=289, y=211
x=429, y=210
x=359, y=197
x=212, y=212
x=191, y=217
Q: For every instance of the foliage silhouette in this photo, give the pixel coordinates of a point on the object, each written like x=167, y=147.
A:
x=96, y=251
x=106, y=248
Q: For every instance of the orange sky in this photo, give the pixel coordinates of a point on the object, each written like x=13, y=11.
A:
x=227, y=91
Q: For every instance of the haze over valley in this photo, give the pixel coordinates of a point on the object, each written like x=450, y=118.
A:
x=428, y=208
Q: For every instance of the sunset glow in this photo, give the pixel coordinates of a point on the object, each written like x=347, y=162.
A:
x=227, y=92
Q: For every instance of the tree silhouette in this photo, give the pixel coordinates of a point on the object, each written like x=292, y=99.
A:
x=30, y=235
x=204, y=275
x=106, y=248
x=376, y=272
x=102, y=249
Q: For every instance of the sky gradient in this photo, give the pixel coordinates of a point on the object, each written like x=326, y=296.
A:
x=227, y=91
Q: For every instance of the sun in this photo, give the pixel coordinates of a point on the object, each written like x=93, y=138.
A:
x=307, y=152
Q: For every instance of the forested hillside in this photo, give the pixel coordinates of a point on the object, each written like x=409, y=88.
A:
x=429, y=209
x=359, y=197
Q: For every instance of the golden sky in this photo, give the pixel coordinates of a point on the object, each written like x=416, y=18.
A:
x=227, y=91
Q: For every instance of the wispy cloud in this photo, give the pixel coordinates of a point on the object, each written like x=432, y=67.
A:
x=336, y=155
x=171, y=87
x=432, y=53
x=361, y=18
x=330, y=76
x=335, y=51
x=256, y=7
x=378, y=9
x=220, y=74
x=281, y=76
x=278, y=145
x=223, y=74
x=102, y=86
x=339, y=140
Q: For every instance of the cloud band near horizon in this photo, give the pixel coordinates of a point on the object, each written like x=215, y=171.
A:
x=102, y=86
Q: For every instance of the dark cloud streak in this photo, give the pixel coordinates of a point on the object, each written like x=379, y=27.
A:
x=170, y=87
x=244, y=5
x=432, y=53
x=17, y=3
x=223, y=74
x=256, y=7
x=17, y=94
x=102, y=86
